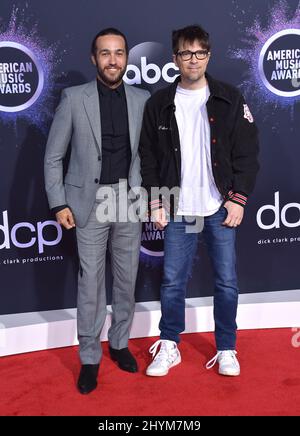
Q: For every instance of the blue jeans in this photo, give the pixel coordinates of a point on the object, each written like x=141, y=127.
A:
x=180, y=248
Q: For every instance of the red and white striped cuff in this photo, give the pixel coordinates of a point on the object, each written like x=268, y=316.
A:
x=237, y=198
x=159, y=203
x=155, y=204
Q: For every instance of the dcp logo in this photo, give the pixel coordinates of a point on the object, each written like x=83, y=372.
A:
x=147, y=65
x=277, y=215
x=32, y=235
x=21, y=77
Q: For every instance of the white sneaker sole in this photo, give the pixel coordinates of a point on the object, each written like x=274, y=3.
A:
x=161, y=374
x=229, y=373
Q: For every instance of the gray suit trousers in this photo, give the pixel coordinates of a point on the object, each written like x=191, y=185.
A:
x=124, y=242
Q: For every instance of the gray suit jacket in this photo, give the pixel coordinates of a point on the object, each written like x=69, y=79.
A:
x=77, y=119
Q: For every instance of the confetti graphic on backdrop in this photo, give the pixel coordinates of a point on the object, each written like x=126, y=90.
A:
x=272, y=53
x=26, y=71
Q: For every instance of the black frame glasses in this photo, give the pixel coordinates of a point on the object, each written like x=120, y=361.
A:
x=187, y=55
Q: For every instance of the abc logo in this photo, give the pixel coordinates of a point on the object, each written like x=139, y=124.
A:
x=147, y=65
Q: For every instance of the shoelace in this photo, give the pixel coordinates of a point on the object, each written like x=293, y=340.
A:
x=153, y=348
x=163, y=352
x=227, y=355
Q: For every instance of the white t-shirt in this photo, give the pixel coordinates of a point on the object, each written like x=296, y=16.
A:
x=199, y=195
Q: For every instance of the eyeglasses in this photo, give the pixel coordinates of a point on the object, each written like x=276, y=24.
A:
x=186, y=55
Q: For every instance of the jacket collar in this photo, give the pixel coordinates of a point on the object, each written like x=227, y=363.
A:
x=216, y=88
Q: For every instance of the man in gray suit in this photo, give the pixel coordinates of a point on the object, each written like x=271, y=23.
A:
x=102, y=120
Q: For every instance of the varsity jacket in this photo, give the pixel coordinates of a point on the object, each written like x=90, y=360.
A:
x=234, y=143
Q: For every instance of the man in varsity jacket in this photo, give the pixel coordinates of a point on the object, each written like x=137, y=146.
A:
x=198, y=135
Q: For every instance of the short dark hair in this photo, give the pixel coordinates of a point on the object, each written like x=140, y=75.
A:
x=108, y=31
x=190, y=34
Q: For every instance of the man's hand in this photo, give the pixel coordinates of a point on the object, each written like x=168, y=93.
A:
x=65, y=218
x=159, y=217
x=235, y=214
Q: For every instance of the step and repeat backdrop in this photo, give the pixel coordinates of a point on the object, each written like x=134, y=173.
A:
x=45, y=47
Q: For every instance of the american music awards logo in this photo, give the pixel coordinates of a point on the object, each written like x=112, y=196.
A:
x=26, y=71
x=273, y=57
x=279, y=63
x=152, y=240
x=21, y=77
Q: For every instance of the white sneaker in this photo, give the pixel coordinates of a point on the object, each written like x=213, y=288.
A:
x=167, y=357
x=228, y=363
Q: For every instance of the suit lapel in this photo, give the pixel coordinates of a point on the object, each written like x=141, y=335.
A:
x=92, y=107
x=132, y=109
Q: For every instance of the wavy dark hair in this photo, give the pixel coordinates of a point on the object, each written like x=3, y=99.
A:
x=190, y=34
x=108, y=31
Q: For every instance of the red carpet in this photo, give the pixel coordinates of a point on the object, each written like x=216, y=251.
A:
x=43, y=383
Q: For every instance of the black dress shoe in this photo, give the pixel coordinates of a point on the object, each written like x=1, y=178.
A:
x=124, y=358
x=87, y=380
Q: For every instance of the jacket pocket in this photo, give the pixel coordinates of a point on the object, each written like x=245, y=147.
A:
x=74, y=180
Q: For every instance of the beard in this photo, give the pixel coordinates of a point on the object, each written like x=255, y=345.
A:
x=110, y=80
x=194, y=76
